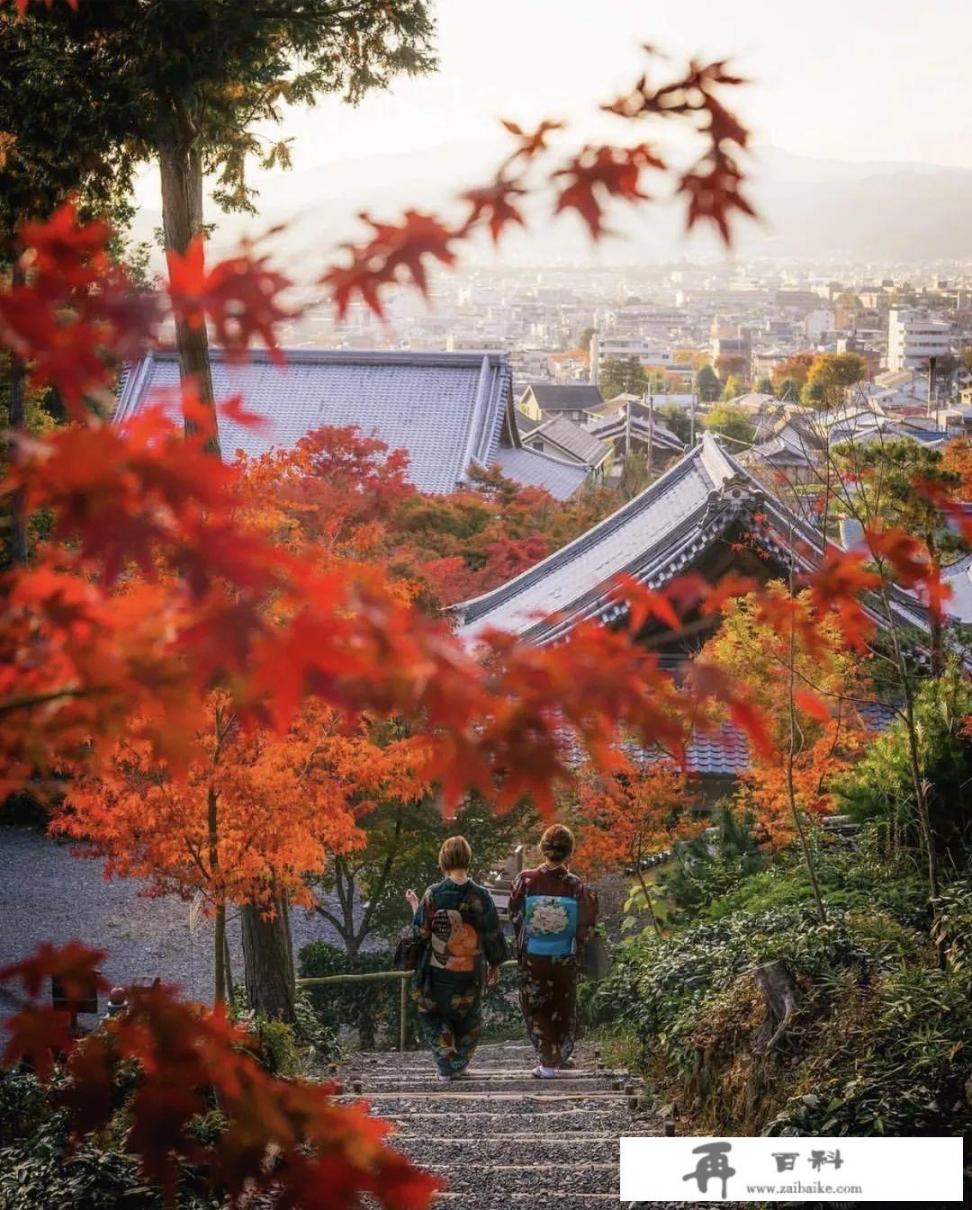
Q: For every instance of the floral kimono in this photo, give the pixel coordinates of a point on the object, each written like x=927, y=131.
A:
x=459, y=924
x=553, y=913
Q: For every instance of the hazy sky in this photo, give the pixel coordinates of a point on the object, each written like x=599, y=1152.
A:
x=853, y=80
x=843, y=79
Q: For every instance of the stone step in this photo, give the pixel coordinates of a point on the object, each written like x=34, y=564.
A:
x=485, y=1185
x=409, y=1060
x=483, y=1086
x=565, y=1122
x=454, y=1155
x=399, y=1103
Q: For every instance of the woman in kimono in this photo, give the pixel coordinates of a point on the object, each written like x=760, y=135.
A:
x=553, y=914
x=464, y=947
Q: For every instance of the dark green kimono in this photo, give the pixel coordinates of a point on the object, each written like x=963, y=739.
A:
x=459, y=924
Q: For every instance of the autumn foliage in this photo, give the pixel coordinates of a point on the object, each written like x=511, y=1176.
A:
x=177, y=615
x=809, y=687
x=640, y=811
x=286, y=1137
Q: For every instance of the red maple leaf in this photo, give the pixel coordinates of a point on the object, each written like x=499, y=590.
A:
x=493, y=204
x=531, y=143
x=395, y=253
x=713, y=191
x=239, y=295
x=597, y=174
x=23, y=5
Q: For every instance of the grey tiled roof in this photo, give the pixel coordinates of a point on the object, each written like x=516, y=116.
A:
x=447, y=410
x=720, y=753
x=567, y=397
x=658, y=535
x=533, y=469
x=575, y=578
x=526, y=424
x=576, y=442
x=777, y=450
x=615, y=426
x=959, y=577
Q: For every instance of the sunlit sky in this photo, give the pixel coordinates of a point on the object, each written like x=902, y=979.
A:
x=849, y=80
x=842, y=79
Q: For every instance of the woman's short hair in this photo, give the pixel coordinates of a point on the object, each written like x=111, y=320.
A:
x=455, y=854
x=557, y=843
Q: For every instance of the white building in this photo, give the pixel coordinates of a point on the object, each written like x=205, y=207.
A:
x=650, y=353
x=818, y=322
x=913, y=338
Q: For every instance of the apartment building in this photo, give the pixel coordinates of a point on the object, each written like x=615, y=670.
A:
x=914, y=338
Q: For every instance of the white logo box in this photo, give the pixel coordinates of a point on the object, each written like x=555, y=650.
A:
x=789, y=1169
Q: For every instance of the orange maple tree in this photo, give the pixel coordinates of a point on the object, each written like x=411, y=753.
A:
x=957, y=458
x=246, y=815
x=811, y=692
x=641, y=810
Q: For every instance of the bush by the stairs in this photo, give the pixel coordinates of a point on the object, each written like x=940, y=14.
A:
x=370, y=1009
x=879, y=788
x=283, y=1049
x=878, y=1045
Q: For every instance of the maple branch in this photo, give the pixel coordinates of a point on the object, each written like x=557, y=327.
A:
x=28, y=701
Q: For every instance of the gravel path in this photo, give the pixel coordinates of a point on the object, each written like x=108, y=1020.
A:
x=49, y=894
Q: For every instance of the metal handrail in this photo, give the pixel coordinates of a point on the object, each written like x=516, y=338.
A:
x=374, y=977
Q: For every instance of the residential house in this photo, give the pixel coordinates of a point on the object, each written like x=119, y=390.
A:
x=574, y=400
x=559, y=437
x=633, y=429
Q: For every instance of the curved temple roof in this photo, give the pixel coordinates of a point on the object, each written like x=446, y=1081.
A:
x=449, y=411
x=656, y=536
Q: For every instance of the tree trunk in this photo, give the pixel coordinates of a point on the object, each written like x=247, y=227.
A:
x=268, y=961
x=782, y=996
x=229, y=965
x=182, y=219
x=219, y=955
x=16, y=421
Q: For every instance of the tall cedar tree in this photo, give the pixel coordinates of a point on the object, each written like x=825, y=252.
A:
x=54, y=142
x=191, y=79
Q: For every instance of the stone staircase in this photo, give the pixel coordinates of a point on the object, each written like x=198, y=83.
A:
x=502, y=1138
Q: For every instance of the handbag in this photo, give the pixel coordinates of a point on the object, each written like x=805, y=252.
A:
x=409, y=952
x=595, y=957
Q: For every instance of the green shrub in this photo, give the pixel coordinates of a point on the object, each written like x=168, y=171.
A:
x=284, y=1049
x=953, y=924
x=892, y=1062
x=880, y=786
x=706, y=867
x=847, y=878
x=40, y=1170
x=370, y=1009
x=878, y=1045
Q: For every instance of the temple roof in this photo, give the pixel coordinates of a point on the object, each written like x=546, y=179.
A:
x=661, y=533
x=450, y=412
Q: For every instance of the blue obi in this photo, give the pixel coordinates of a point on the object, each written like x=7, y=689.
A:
x=550, y=924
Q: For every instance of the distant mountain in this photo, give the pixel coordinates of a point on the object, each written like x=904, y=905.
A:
x=883, y=211
x=809, y=208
